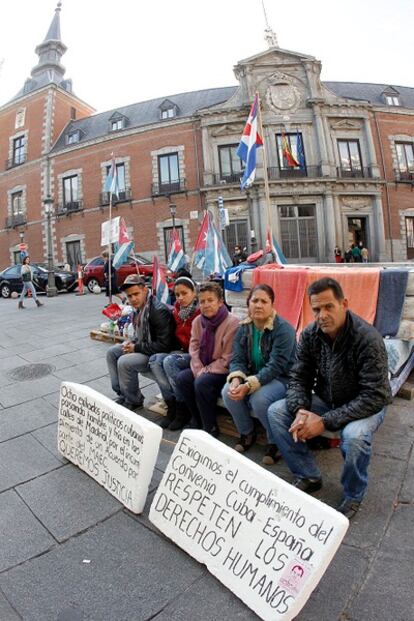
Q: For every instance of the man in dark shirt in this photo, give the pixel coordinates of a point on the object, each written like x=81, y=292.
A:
x=339, y=382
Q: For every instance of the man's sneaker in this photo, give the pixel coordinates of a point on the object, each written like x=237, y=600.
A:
x=120, y=400
x=271, y=456
x=245, y=442
x=349, y=508
x=307, y=485
x=133, y=406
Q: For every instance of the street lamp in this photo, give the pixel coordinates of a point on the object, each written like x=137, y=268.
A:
x=51, y=284
x=173, y=211
x=21, y=235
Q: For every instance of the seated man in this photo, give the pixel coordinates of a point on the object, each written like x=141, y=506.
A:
x=153, y=334
x=343, y=360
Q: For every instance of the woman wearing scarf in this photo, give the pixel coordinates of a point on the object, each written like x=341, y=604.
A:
x=165, y=367
x=211, y=342
x=263, y=353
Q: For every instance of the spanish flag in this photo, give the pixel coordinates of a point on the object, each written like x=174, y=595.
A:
x=287, y=152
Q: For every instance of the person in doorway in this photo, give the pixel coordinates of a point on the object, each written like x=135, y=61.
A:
x=356, y=253
x=27, y=278
x=239, y=256
x=338, y=254
x=211, y=342
x=364, y=254
x=339, y=383
x=263, y=353
x=348, y=255
x=153, y=333
x=165, y=367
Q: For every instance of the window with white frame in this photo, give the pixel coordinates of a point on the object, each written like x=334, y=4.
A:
x=17, y=203
x=71, y=192
x=392, y=100
x=405, y=159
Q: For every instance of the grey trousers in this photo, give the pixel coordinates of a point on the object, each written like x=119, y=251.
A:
x=123, y=371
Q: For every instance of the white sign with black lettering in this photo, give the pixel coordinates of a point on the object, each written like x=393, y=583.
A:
x=265, y=540
x=113, y=445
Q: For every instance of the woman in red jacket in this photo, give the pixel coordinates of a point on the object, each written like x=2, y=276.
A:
x=165, y=367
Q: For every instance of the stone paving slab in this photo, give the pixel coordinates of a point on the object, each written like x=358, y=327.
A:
x=47, y=436
x=67, y=501
x=10, y=362
x=22, y=536
x=20, y=392
x=22, y=459
x=407, y=490
x=6, y=611
x=132, y=575
x=85, y=372
x=50, y=351
x=20, y=419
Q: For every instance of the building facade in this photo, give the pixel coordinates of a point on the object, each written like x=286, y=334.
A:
x=338, y=158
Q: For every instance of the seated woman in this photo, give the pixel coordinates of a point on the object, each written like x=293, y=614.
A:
x=165, y=367
x=211, y=342
x=263, y=353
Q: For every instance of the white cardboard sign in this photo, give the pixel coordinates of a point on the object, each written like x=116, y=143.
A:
x=265, y=540
x=113, y=445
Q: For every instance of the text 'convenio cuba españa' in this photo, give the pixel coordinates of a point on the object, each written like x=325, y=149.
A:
x=265, y=540
x=114, y=446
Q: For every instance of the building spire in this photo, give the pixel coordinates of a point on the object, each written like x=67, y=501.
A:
x=270, y=35
x=53, y=34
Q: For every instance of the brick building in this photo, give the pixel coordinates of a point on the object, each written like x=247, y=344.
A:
x=354, y=180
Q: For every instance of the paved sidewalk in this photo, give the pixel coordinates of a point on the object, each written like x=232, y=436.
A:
x=70, y=552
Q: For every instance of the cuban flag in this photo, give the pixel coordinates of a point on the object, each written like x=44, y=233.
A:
x=217, y=259
x=125, y=246
x=273, y=247
x=159, y=282
x=111, y=182
x=249, y=142
x=201, y=243
x=176, y=258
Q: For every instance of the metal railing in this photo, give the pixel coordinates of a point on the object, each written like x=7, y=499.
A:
x=16, y=220
x=354, y=173
x=16, y=161
x=124, y=195
x=221, y=179
x=165, y=189
x=404, y=176
x=275, y=173
x=66, y=208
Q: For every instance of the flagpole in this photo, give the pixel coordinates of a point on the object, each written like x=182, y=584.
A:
x=265, y=176
x=109, y=250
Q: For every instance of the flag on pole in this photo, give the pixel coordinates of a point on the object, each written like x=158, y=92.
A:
x=200, y=245
x=287, y=152
x=111, y=182
x=300, y=151
x=159, y=282
x=125, y=246
x=217, y=259
x=249, y=142
x=176, y=258
x=273, y=247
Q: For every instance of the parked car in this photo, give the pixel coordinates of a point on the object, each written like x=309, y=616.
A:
x=10, y=279
x=93, y=272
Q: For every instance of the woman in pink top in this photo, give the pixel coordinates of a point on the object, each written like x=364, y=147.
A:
x=212, y=334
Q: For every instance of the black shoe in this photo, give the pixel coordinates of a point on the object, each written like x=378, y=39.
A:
x=170, y=416
x=349, y=508
x=214, y=431
x=307, y=485
x=133, y=406
x=245, y=442
x=271, y=456
x=120, y=400
x=182, y=417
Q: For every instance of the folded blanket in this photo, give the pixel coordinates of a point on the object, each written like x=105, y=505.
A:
x=233, y=276
x=393, y=284
x=289, y=285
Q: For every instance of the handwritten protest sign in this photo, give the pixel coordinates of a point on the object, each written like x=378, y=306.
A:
x=265, y=540
x=114, y=446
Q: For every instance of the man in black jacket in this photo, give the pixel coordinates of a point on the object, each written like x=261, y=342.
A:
x=339, y=382
x=153, y=334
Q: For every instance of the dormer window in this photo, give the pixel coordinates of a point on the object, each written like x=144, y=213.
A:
x=117, y=121
x=116, y=125
x=391, y=96
x=73, y=137
x=168, y=110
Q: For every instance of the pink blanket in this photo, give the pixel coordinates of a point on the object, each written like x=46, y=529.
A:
x=289, y=286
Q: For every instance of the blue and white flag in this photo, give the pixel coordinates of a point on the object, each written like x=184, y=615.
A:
x=159, y=282
x=273, y=247
x=217, y=259
x=176, y=258
x=111, y=182
x=122, y=254
x=249, y=142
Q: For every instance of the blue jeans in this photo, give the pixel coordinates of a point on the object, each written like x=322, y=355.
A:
x=259, y=402
x=165, y=368
x=200, y=395
x=123, y=371
x=356, y=440
x=28, y=286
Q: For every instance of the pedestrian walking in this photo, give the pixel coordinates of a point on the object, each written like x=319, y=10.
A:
x=356, y=253
x=348, y=255
x=338, y=254
x=364, y=254
x=27, y=278
x=113, y=289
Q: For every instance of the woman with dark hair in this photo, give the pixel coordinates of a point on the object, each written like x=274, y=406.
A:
x=165, y=367
x=199, y=387
x=27, y=278
x=263, y=353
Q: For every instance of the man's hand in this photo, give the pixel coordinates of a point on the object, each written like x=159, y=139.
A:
x=237, y=391
x=128, y=347
x=306, y=425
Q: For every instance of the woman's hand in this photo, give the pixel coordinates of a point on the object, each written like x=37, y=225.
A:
x=237, y=391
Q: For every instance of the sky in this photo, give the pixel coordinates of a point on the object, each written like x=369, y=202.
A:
x=124, y=51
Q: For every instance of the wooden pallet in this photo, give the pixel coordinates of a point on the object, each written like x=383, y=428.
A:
x=99, y=335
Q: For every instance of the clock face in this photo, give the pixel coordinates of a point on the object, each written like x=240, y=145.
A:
x=282, y=96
